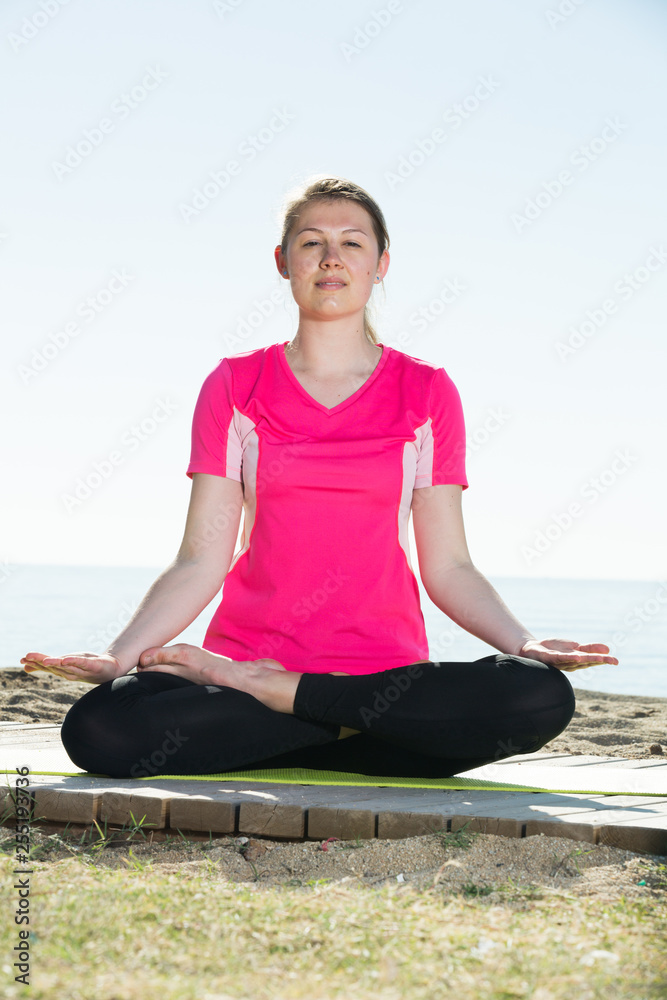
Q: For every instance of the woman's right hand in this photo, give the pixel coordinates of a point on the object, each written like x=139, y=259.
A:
x=91, y=668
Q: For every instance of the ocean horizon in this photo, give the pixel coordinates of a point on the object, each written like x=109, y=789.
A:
x=63, y=609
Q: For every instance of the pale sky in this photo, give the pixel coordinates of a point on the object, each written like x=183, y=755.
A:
x=519, y=157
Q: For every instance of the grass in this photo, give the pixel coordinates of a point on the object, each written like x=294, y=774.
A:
x=139, y=932
x=111, y=934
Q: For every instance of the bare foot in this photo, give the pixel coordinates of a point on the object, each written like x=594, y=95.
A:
x=267, y=680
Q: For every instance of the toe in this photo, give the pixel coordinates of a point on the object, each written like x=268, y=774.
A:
x=273, y=664
x=164, y=654
x=151, y=655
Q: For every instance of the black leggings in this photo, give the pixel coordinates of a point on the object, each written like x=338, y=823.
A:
x=423, y=720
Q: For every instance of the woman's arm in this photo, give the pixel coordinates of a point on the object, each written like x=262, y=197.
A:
x=178, y=595
x=458, y=588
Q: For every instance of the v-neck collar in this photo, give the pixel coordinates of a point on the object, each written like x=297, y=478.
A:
x=346, y=402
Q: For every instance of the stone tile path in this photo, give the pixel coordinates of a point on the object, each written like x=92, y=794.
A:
x=635, y=820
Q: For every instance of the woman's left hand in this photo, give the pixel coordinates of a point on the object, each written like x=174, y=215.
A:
x=566, y=654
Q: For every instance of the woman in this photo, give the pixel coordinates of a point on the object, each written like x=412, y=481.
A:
x=327, y=443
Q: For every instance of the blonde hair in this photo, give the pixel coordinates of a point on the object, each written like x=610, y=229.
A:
x=326, y=188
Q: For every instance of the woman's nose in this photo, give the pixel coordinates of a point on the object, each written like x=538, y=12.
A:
x=330, y=255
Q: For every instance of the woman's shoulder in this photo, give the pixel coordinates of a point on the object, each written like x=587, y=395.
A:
x=249, y=359
x=243, y=361
x=409, y=361
x=256, y=353
x=424, y=382
x=417, y=369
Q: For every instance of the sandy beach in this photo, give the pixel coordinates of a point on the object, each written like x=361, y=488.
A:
x=618, y=725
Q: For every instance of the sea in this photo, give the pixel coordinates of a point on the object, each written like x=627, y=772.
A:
x=67, y=609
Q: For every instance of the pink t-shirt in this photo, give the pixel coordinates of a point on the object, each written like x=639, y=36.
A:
x=323, y=580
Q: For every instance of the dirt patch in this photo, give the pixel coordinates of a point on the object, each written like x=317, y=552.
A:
x=472, y=865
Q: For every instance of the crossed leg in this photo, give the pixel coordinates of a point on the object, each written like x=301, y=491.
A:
x=430, y=720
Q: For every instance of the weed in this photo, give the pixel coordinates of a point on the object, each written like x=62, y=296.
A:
x=572, y=854
x=511, y=888
x=349, y=846
x=469, y=889
x=51, y=842
x=659, y=871
x=460, y=838
x=138, y=827
x=135, y=864
x=254, y=869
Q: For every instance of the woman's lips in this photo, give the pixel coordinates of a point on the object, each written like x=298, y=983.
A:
x=330, y=284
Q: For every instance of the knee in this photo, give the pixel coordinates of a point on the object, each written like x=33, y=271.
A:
x=549, y=684
x=102, y=708
x=88, y=731
x=84, y=717
x=77, y=724
x=547, y=694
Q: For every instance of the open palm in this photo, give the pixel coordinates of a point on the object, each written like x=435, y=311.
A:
x=92, y=668
x=565, y=654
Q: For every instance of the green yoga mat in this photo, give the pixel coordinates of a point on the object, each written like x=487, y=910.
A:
x=51, y=759
x=307, y=776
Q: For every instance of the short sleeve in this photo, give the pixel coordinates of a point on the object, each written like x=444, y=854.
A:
x=442, y=438
x=216, y=445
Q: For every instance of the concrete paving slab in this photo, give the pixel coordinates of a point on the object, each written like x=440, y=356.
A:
x=297, y=811
x=598, y=778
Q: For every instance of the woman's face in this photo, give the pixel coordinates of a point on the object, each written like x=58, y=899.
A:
x=332, y=259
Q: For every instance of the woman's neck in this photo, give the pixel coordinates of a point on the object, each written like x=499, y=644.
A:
x=331, y=354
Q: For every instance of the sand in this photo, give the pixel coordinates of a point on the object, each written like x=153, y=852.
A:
x=504, y=870
x=617, y=725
